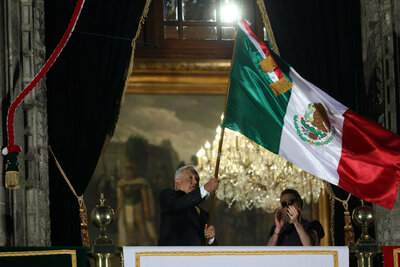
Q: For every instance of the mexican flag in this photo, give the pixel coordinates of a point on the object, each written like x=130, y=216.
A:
x=271, y=104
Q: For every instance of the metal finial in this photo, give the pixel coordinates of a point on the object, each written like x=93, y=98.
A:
x=102, y=199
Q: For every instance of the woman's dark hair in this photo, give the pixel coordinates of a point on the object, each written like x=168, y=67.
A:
x=296, y=195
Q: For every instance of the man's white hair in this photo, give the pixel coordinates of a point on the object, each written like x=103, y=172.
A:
x=186, y=167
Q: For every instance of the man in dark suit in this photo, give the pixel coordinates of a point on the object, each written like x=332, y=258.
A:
x=182, y=222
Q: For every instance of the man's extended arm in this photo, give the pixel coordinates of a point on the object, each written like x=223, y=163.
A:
x=174, y=201
x=171, y=200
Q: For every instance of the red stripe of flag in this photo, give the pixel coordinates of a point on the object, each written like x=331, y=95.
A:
x=369, y=166
x=264, y=48
x=262, y=45
x=279, y=73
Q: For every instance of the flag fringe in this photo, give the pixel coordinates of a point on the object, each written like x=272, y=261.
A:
x=267, y=24
x=130, y=68
x=139, y=29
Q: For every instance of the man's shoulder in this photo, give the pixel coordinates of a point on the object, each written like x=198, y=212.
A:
x=169, y=192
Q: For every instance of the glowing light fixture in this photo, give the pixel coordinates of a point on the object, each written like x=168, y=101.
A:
x=229, y=12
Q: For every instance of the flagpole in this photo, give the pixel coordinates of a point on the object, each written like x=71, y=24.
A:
x=221, y=140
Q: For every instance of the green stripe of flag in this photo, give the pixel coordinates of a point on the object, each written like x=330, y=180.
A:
x=252, y=108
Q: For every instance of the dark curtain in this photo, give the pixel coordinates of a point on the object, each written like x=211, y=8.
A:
x=321, y=40
x=84, y=87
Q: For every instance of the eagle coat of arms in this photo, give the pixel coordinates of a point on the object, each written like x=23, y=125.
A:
x=314, y=127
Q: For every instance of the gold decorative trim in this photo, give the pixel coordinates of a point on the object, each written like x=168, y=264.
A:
x=281, y=86
x=396, y=254
x=268, y=64
x=139, y=29
x=179, y=76
x=42, y=253
x=334, y=253
x=193, y=65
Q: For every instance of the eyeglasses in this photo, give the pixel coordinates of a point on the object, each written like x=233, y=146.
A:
x=288, y=203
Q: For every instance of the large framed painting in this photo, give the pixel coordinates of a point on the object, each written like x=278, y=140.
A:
x=171, y=109
x=155, y=134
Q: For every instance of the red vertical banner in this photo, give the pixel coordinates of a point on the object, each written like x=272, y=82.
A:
x=391, y=256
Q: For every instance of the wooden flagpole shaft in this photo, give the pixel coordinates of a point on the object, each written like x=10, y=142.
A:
x=221, y=139
x=212, y=200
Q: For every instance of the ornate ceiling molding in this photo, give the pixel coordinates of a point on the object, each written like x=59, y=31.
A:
x=179, y=76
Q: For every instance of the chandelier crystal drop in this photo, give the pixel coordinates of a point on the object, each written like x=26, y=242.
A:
x=251, y=176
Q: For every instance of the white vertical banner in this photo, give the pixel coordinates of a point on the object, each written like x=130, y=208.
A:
x=236, y=256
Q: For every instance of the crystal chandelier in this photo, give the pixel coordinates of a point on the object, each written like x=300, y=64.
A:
x=251, y=176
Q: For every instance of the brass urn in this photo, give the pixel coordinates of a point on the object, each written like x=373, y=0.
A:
x=103, y=248
x=102, y=216
x=366, y=247
x=364, y=216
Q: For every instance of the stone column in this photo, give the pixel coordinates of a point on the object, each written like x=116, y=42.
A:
x=3, y=85
x=26, y=209
x=380, y=98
